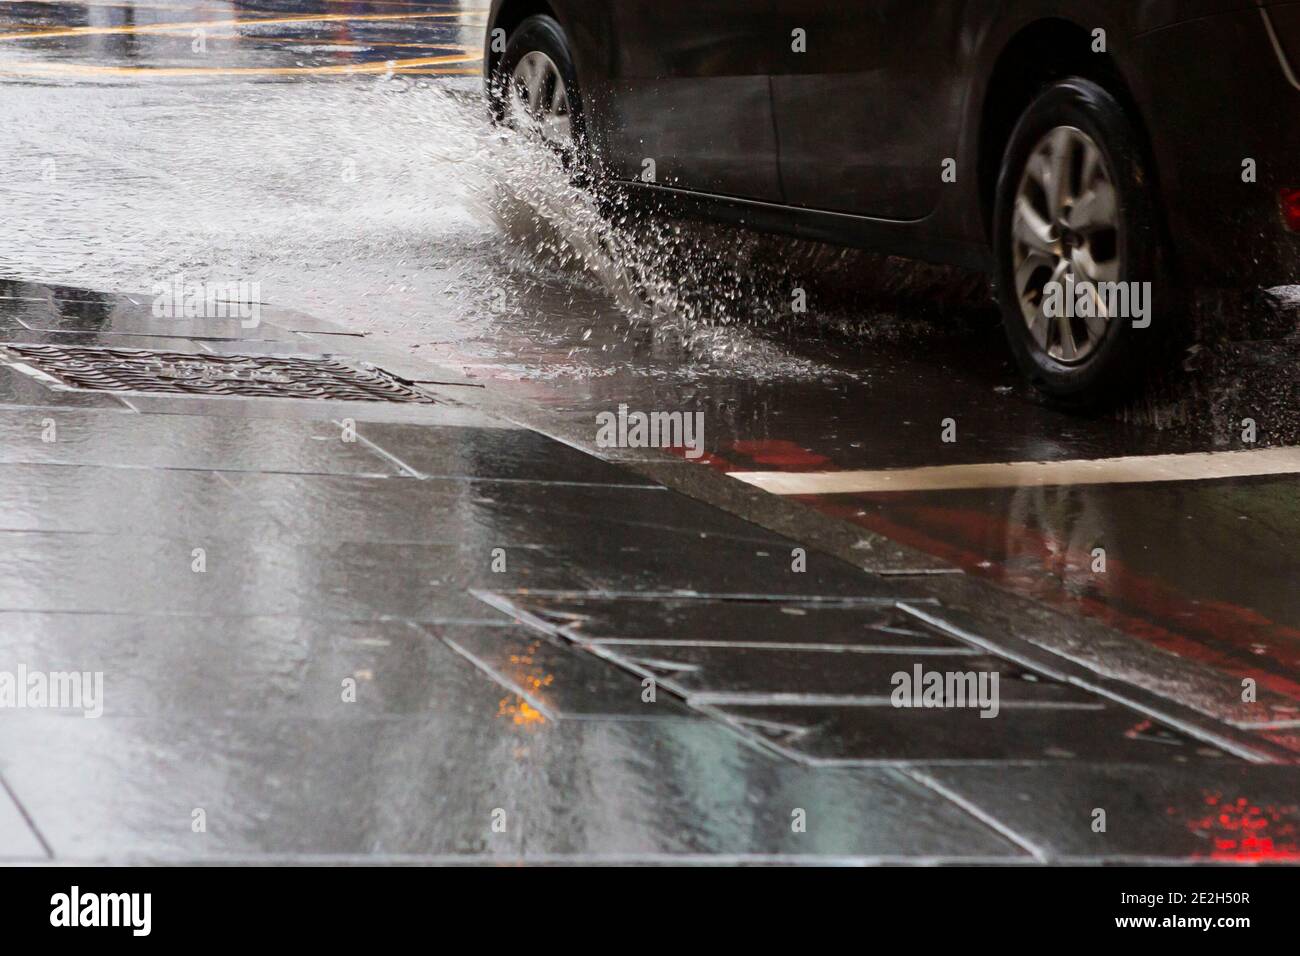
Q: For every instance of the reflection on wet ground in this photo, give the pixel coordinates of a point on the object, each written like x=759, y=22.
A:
x=395, y=210
x=385, y=203
x=1195, y=568
x=372, y=565
x=136, y=42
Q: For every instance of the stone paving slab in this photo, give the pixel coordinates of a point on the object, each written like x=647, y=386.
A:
x=557, y=681
x=1233, y=812
x=170, y=503
x=741, y=569
x=444, y=413
x=119, y=789
x=221, y=667
x=496, y=513
x=19, y=290
x=835, y=704
x=717, y=674
x=24, y=392
x=273, y=507
x=147, y=575
x=442, y=453
x=107, y=340
x=143, y=574
x=88, y=318
x=837, y=734
x=95, y=437
x=736, y=623
x=392, y=638
x=1142, y=672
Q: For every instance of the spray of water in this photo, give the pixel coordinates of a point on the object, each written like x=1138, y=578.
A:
x=390, y=206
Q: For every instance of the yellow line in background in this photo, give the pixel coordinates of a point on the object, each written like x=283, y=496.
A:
x=370, y=45
x=385, y=44
x=107, y=4
x=335, y=41
x=409, y=3
x=193, y=4
x=44, y=68
x=200, y=24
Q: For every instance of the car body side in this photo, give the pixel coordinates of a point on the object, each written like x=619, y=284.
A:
x=1207, y=82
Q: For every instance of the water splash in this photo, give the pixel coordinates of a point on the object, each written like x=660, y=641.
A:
x=390, y=206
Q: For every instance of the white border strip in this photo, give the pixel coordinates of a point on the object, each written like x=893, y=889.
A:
x=1196, y=466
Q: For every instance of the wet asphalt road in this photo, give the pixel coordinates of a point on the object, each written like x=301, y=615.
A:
x=472, y=266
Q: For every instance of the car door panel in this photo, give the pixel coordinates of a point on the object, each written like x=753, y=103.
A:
x=866, y=116
x=689, y=91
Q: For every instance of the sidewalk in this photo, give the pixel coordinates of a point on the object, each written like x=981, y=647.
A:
x=414, y=630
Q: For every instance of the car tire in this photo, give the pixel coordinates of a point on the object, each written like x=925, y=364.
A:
x=540, y=38
x=1076, y=361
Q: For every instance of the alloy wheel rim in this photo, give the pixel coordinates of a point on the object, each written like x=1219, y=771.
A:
x=1065, y=228
x=539, y=100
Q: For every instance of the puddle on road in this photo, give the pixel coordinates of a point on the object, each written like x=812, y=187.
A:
x=392, y=206
x=389, y=205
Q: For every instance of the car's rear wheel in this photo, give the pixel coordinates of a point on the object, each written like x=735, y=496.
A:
x=1076, y=234
x=534, y=88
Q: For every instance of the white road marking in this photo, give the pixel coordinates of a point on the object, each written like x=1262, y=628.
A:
x=1198, y=466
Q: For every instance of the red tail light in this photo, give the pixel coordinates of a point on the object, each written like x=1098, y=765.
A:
x=1291, y=208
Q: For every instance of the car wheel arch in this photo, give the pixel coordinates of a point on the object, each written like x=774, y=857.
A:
x=507, y=17
x=1028, y=57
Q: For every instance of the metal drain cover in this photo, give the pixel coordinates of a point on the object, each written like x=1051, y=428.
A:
x=137, y=370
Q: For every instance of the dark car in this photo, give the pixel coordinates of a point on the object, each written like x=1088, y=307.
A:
x=1099, y=158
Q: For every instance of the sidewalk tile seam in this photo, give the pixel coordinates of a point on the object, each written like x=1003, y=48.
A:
x=1007, y=832
x=1195, y=731
x=7, y=790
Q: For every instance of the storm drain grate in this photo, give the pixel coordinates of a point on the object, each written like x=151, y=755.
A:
x=178, y=373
